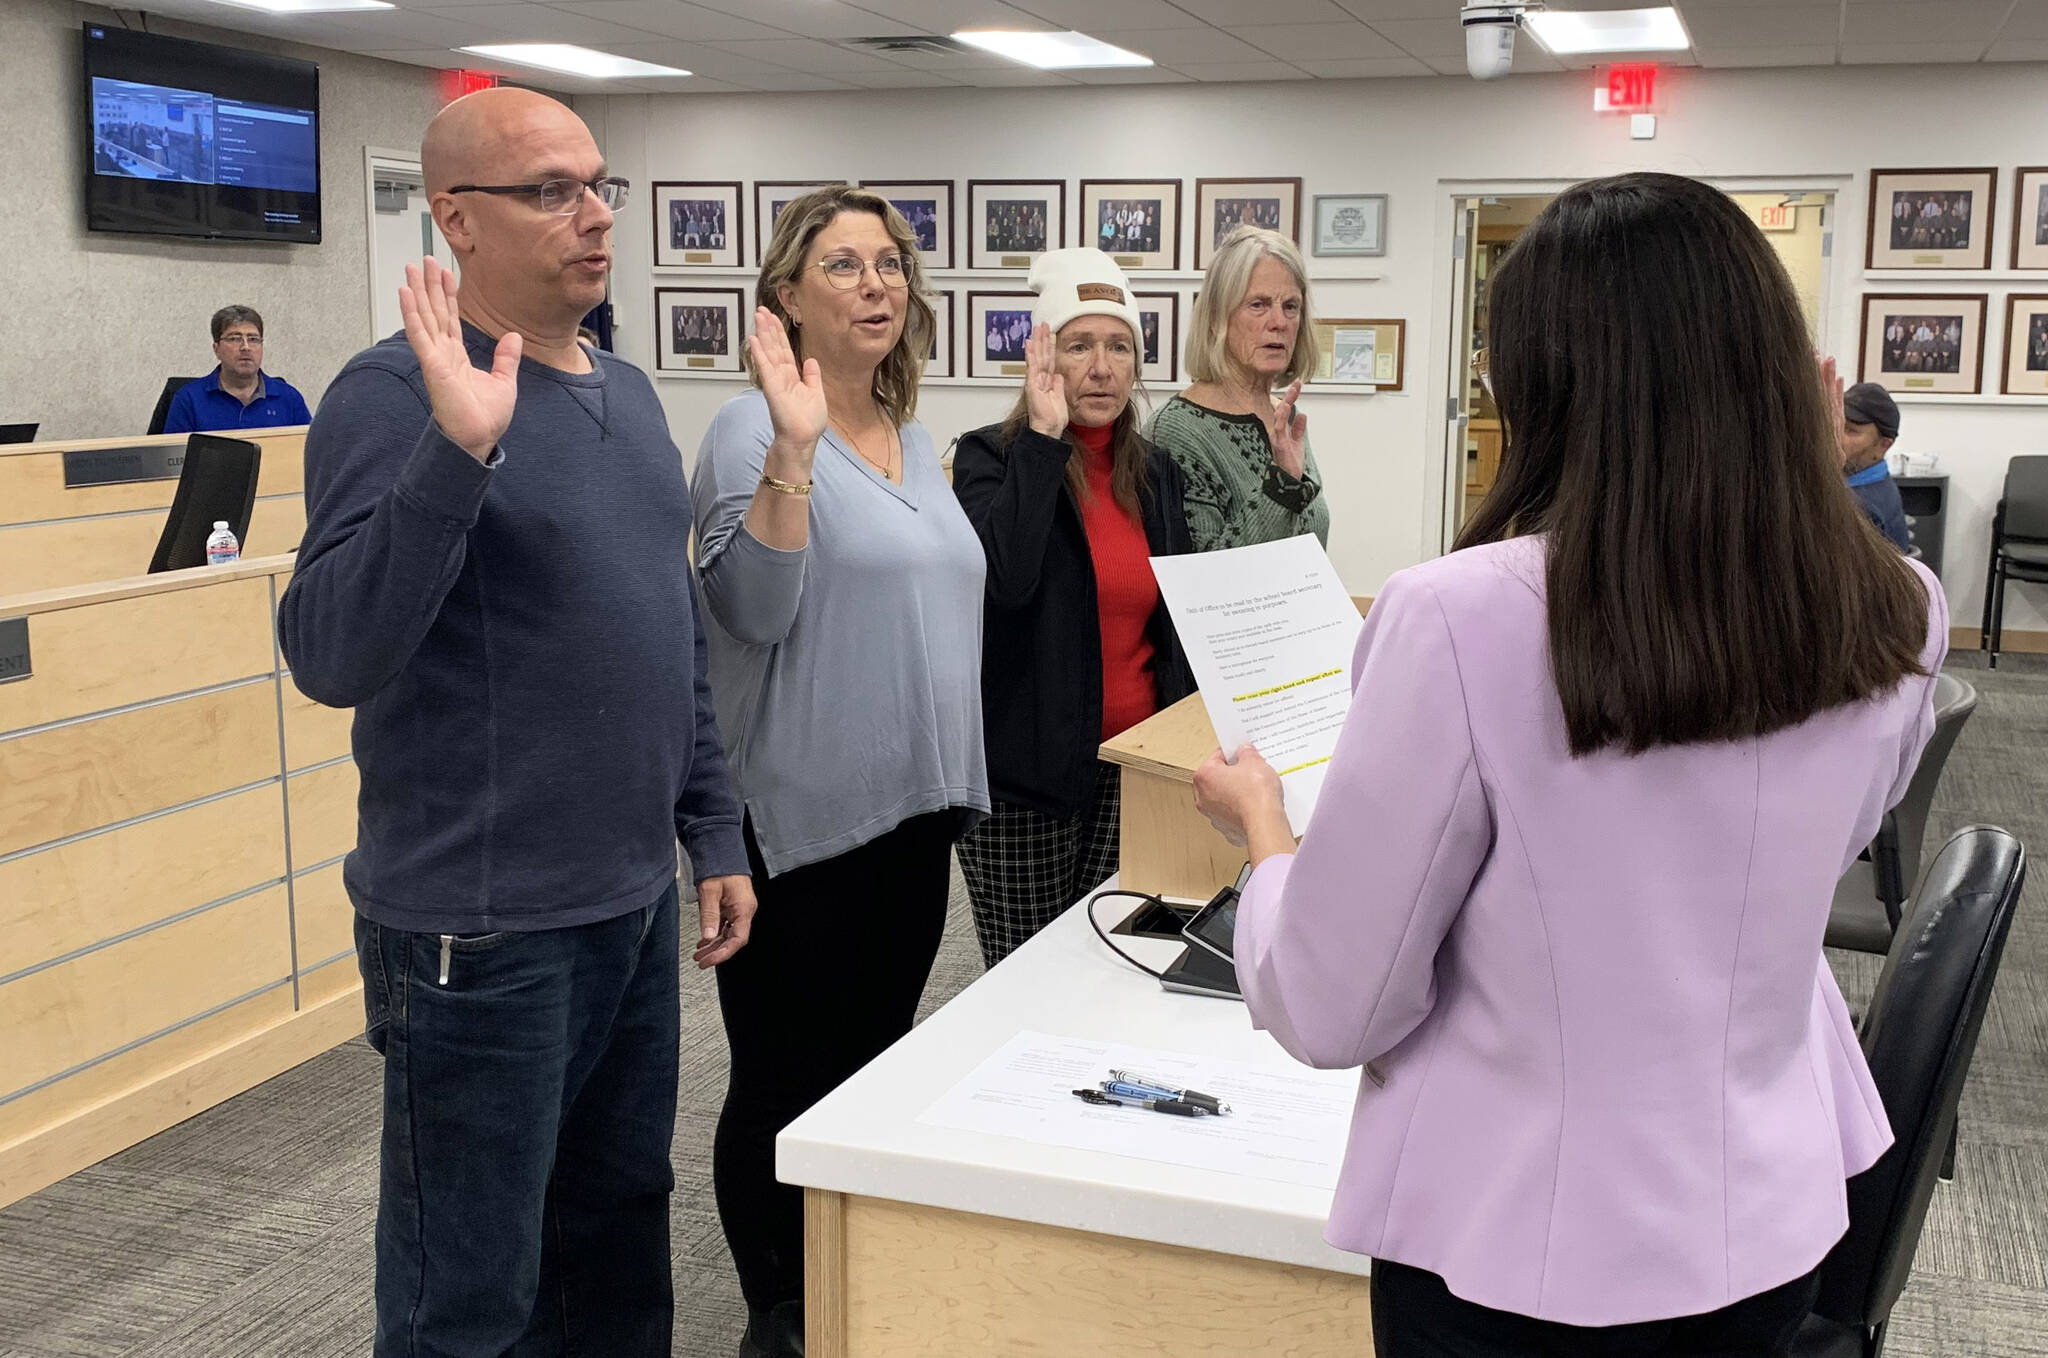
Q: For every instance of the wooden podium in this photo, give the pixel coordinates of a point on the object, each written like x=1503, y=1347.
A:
x=1168, y=848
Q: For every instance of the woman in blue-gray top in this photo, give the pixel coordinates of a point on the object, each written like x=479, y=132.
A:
x=843, y=588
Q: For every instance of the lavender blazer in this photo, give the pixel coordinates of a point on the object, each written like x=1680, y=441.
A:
x=1611, y=1078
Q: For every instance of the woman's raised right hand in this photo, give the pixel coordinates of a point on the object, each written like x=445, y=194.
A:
x=796, y=396
x=1045, y=391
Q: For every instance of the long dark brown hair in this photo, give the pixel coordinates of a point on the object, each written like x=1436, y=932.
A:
x=1127, y=449
x=1709, y=575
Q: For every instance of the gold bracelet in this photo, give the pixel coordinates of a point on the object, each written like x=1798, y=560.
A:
x=785, y=487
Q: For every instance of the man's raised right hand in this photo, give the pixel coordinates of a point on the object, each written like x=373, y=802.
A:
x=472, y=406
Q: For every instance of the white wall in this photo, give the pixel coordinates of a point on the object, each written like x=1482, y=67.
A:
x=1419, y=140
x=95, y=323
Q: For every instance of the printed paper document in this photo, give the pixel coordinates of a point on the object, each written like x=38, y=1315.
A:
x=1287, y=1123
x=1269, y=632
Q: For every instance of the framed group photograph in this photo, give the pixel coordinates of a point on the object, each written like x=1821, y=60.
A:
x=1931, y=219
x=928, y=207
x=699, y=329
x=696, y=225
x=1348, y=224
x=939, y=362
x=2030, y=218
x=1361, y=353
x=2026, y=346
x=770, y=197
x=1159, y=326
x=1011, y=222
x=998, y=324
x=1921, y=342
x=1136, y=222
x=1223, y=205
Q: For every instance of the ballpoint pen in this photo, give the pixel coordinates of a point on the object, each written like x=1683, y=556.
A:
x=1179, y=1108
x=1162, y=1090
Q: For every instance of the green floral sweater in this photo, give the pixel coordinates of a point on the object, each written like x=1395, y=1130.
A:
x=1236, y=494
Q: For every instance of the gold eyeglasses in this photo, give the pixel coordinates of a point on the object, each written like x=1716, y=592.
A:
x=844, y=271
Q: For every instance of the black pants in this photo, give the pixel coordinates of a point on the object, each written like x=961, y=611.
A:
x=1024, y=868
x=831, y=975
x=1415, y=1316
x=529, y=1106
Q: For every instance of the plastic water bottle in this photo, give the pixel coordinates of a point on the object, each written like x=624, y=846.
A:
x=221, y=547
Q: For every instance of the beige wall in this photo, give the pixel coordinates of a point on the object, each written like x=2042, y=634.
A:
x=97, y=322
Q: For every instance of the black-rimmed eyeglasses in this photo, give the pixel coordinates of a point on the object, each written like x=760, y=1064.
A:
x=559, y=197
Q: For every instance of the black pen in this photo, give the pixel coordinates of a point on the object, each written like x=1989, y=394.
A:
x=1177, y=1107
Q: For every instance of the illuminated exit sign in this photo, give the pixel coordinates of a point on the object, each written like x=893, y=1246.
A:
x=1628, y=89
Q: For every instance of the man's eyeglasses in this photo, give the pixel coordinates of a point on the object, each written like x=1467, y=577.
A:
x=844, y=271
x=237, y=338
x=560, y=197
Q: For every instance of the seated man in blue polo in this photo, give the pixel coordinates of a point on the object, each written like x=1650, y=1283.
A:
x=238, y=394
x=1870, y=422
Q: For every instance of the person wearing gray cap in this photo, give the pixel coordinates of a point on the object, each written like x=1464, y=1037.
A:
x=1870, y=424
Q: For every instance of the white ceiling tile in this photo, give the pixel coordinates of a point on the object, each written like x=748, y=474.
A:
x=1428, y=38
x=403, y=28
x=1090, y=15
x=1763, y=26
x=697, y=58
x=695, y=84
x=901, y=78
x=538, y=23
x=672, y=19
x=2029, y=22
x=1012, y=77
x=1371, y=68
x=441, y=4
x=1174, y=45
x=1318, y=42
x=788, y=82
x=1129, y=75
x=1243, y=71
x=1247, y=13
x=805, y=54
x=811, y=18
x=1929, y=21
x=950, y=16
x=1687, y=8
x=1372, y=11
x=1909, y=53
x=2018, y=51
x=1817, y=54
x=969, y=60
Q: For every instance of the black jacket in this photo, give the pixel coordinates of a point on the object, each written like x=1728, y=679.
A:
x=1041, y=649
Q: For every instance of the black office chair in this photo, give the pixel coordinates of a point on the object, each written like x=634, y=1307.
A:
x=2019, y=542
x=218, y=481
x=163, y=402
x=1872, y=892
x=1918, y=1037
x=18, y=433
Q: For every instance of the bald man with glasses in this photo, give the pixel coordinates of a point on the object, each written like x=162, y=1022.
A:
x=494, y=576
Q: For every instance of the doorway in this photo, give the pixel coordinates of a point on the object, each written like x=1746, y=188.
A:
x=401, y=232
x=1797, y=223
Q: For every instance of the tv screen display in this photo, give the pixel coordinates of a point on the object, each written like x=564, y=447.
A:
x=190, y=139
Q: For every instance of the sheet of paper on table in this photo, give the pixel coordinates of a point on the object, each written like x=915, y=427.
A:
x=1287, y=1122
x=1269, y=632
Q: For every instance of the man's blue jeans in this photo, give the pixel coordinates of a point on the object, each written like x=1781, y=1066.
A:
x=529, y=1103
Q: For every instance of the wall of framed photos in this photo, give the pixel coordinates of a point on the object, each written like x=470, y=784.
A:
x=1421, y=143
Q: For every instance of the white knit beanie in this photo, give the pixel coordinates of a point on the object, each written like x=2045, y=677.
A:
x=1082, y=282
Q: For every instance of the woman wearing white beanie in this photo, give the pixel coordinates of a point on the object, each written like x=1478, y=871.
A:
x=1070, y=503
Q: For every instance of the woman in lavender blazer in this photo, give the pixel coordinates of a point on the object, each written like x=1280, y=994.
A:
x=1563, y=894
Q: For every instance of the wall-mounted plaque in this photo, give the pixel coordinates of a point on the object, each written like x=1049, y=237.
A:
x=14, y=661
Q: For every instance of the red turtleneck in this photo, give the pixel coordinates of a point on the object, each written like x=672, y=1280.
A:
x=1125, y=592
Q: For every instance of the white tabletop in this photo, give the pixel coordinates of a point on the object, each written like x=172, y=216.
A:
x=864, y=1138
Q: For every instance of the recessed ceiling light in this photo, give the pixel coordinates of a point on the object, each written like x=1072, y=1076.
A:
x=305, y=6
x=570, y=60
x=1569, y=33
x=1051, y=51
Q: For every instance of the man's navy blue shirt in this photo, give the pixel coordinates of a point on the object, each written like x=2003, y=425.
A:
x=201, y=404
x=1879, y=495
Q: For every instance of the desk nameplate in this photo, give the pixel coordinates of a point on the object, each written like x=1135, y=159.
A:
x=14, y=658
x=120, y=466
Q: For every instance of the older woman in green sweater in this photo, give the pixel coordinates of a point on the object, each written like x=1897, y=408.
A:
x=1250, y=475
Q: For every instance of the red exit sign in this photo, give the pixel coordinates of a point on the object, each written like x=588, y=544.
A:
x=1631, y=89
x=455, y=84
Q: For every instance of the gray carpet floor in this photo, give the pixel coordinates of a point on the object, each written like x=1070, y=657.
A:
x=246, y=1230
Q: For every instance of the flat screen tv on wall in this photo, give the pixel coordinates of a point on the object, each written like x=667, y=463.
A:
x=190, y=139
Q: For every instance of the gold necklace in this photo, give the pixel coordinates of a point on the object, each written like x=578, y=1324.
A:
x=884, y=466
